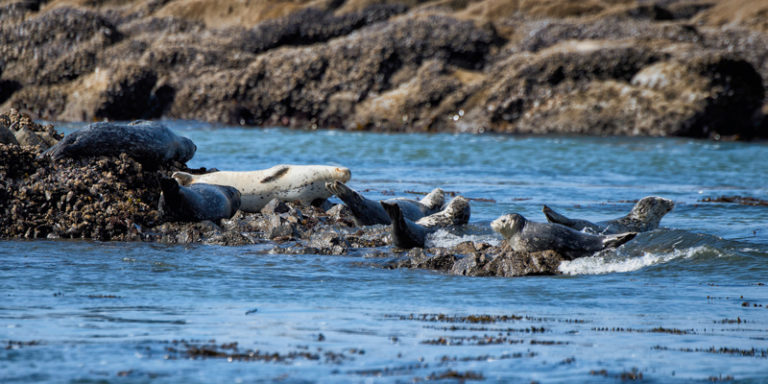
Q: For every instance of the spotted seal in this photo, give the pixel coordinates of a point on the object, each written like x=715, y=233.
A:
x=644, y=216
x=197, y=202
x=285, y=182
x=529, y=236
x=370, y=212
x=150, y=143
x=409, y=234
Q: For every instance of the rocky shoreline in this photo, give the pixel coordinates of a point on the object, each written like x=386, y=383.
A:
x=665, y=68
x=116, y=199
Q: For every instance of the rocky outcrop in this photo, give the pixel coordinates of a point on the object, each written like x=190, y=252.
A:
x=480, y=259
x=493, y=65
x=19, y=129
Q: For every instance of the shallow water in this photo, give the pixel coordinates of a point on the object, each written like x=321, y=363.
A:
x=687, y=302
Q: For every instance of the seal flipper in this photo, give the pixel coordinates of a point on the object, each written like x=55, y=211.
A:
x=554, y=217
x=579, y=225
x=405, y=233
x=614, y=241
x=366, y=212
x=170, y=201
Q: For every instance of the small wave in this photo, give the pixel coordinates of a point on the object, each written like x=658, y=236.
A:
x=445, y=238
x=612, y=263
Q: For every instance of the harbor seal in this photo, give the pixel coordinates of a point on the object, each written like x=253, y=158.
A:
x=409, y=234
x=197, y=202
x=529, y=236
x=370, y=212
x=645, y=216
x=150, y=143
x=304, y=183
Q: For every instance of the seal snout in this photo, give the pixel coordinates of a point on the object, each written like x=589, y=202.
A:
x=344, y=174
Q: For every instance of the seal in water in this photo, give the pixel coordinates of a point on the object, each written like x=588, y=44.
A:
x=529, y=236
x=409, y=234
x=304, y=183
x=645, y=216
x=150, y=143
x=370, y=212
x=197, y=202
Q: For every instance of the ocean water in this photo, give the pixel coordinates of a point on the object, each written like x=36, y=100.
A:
x=685, y=303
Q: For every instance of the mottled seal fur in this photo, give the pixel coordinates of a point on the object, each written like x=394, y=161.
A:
x=645, y=216
x=285, y=182
x=370, y=212
x=529, y=236
x=150, y=143
x=197, y=202
x=409, y=234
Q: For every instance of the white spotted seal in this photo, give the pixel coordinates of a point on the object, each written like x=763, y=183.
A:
x=150, y=143
x=529, y=236
x=645, y=216
x=197, y=202
x=370, y=212
x=409, y=234
x=304, y=183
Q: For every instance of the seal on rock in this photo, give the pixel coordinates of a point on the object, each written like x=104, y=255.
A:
x=645, y=216
x=304, y=183
x=409, y=234
x=150, y=143
x=370, y=212
x=197, y=202
x=529, y=236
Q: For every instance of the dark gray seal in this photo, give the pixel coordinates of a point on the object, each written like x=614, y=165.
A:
x=645, y=216
x=150, y=143
x=197, y=202
x=409, y=234
x=529, y=236
x=370, y=212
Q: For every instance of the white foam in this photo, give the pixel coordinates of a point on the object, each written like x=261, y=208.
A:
x=612, y=263
x=446, y=239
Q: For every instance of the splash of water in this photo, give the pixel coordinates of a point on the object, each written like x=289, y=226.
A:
x=611, y=263
x=447, y=239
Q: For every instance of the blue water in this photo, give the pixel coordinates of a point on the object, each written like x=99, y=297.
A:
x=685, y=303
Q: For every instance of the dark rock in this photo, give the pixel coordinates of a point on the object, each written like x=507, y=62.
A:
x=470, y=259
x=122, y=94
x=29, y=46
x=277, y=227
x=6, y=136
x=604, y=88
x=275, y=206
x=297, y=84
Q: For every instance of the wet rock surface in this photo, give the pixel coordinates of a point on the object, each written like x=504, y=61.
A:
x=666, y=68
x=481, y=259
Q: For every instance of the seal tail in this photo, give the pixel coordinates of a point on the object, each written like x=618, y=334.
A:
x=183, y=178
x=434, y=200
x=554, y=217
x=614, y=241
